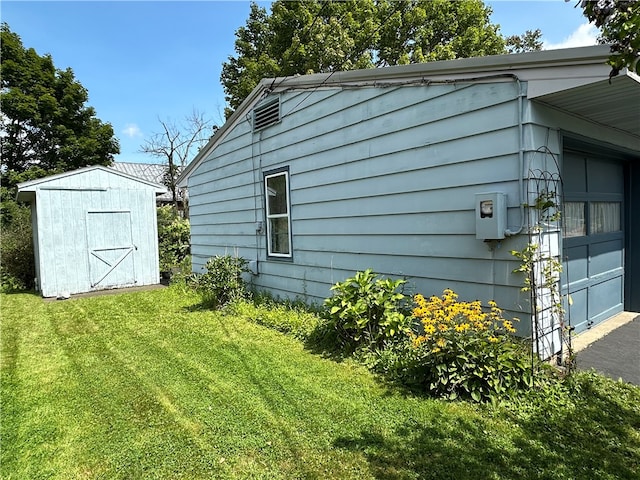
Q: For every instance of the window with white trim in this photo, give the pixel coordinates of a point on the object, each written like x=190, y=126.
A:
x=276, y=193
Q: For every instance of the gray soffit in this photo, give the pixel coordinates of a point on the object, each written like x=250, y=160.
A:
x=615, y=104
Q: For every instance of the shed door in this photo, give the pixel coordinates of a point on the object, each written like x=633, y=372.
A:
x=593, y=235
x=111, y=250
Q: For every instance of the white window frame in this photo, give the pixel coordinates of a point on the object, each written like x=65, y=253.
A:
x=269, y=216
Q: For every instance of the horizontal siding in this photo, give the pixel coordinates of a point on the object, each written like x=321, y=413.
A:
x=381, y=178
x=354, y=124
x=448, y=200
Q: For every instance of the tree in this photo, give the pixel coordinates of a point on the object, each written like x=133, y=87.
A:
x=530, y=41
x=176, y=144
x=45, y=128
x=619, y=21
x=326, y=36
x=424, y=31
x=45, y=125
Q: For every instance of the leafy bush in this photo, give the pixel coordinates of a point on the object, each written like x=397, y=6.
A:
x=366, y=311
x=17, y=267
x=464, y=351
x=173, y=238
x=222, y=283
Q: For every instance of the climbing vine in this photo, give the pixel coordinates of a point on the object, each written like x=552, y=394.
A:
x=541, y=267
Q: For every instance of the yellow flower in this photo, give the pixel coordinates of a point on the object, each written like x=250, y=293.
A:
x=418, y=341
x=493, y=339
x=430, y=329
x=441, y=342
x=443, y=327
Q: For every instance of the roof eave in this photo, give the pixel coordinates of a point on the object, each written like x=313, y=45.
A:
x=464, y=66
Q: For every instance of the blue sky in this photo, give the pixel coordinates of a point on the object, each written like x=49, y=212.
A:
x=145, y=60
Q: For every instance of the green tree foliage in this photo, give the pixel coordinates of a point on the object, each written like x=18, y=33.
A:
x=45, y=126
x=530, y=41
x=325, y=36
x=173, y=238
x=17, y=268
x=619, y=21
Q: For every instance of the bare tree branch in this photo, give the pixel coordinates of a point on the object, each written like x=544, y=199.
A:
x=176, y=145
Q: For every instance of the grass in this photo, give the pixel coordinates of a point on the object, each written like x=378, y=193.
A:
x=150, y=385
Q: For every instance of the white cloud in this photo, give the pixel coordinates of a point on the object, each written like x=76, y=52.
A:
x=585, y=35
x=132, y=130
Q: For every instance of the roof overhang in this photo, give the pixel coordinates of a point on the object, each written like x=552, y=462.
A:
x=611, y=102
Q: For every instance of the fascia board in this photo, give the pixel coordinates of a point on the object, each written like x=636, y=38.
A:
x=463, y=67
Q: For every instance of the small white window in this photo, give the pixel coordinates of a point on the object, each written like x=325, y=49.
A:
x=276, y=192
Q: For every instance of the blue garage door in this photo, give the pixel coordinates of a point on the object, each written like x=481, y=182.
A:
x=593, y=239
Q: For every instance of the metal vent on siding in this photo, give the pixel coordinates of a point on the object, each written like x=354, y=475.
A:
x=266, y=114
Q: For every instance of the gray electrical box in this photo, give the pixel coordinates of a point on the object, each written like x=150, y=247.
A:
x=491, y=215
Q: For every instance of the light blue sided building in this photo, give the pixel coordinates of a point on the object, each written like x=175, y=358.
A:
x=436, y=172
x=93, y=229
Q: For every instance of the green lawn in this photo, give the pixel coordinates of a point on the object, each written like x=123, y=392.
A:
x=149, y=385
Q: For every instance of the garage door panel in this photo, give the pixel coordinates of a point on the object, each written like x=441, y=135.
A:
x=606, y=257
x=603, y=176
x=593, y=244
x=576, y=265
x=574, y=174
x=575, y=306
x=605, y=299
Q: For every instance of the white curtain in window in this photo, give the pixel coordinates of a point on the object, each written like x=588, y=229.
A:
x=604, y=217
x=573, y=219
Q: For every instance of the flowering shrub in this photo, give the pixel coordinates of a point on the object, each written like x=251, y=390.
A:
x=464, y=351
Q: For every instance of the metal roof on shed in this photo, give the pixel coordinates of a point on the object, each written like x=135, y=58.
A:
x=151, y=172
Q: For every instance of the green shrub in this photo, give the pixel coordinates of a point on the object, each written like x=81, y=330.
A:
x=366, y=311
x=17, y=266
x=222, y=282
x=463, y=351
x=173, y=238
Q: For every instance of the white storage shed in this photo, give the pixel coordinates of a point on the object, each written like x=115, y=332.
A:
x=93, y=229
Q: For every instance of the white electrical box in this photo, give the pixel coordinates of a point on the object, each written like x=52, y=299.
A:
x=491, y=215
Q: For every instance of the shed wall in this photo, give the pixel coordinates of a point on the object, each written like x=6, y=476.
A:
x=381, y=178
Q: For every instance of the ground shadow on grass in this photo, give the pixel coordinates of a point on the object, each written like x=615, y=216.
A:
x=197, y=307
x=599, y=438
x=17, y=291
